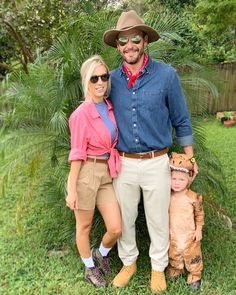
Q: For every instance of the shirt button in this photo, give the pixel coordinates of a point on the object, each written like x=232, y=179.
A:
x=133, y=92
x=134, y=125
x=133, y=109
x=136, y=140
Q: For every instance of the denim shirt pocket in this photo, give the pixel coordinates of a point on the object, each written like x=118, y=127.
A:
x=153, y=99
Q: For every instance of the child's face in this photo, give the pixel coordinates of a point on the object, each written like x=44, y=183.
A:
x=179, y=181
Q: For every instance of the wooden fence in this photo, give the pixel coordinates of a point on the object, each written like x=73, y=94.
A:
x=226, y=84
x=227, y=97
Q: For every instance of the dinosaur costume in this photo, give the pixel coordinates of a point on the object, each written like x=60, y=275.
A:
x=186, y=213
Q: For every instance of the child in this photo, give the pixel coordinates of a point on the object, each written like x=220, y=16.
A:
x=186, y=221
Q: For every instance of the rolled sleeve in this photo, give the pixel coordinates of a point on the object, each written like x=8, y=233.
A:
x=76, y=155
x=179, y=115
x=79, y=135
x=185, y=140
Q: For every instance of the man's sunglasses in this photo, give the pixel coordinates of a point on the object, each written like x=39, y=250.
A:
x=104, y=78
x=123, y=40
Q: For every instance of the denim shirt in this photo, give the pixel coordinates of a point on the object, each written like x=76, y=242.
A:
x=147, y=112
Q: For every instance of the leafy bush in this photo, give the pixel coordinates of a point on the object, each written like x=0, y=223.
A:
x=39, y=102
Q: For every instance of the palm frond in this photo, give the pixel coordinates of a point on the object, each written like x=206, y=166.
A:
x=35, y=132
x=59, y=122
x=168, y=25
x=210, y=202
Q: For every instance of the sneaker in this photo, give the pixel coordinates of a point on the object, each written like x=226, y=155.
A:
x=101, y=262
x=124, y=276
x=195, y=285
x=94, y=276
x=158, y=281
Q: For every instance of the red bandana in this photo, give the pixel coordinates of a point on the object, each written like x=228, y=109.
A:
x=133, y=78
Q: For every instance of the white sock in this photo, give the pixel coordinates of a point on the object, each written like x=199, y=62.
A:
x=104, y=251
x=88, y=261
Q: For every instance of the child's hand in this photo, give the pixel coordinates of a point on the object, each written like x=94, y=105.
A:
x=197, y=235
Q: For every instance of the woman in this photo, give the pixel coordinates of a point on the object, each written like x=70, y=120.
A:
x=94, y=162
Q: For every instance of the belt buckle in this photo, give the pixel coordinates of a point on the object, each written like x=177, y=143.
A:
x=140, y=156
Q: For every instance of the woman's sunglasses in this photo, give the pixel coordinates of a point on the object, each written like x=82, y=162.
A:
x=104, y=78
x=123, y=40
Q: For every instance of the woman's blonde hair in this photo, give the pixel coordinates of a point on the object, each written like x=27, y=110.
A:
x=87, y=69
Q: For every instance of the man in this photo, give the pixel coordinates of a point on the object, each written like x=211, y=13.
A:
x=148, y=102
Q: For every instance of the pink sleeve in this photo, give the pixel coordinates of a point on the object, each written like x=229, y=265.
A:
x=78, y=137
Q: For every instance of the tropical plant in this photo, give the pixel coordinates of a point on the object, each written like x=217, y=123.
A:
x=217, y=23
x=27, y=25
x=35, y=127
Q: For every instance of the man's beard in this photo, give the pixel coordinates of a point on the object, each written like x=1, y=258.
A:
x=137, y=59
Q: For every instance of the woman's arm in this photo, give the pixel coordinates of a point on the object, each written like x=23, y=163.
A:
x=72, y=195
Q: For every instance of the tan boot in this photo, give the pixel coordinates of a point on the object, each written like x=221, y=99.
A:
x=158, y=281
x=123, y=277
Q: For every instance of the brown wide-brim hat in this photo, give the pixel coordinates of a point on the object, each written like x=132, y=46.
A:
x=129, y=20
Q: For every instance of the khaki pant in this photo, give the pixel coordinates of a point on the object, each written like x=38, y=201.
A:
x=94, y=185
x=190, y=257
x=153, y=177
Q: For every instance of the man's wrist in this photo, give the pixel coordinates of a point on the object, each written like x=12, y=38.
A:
x=188, y=150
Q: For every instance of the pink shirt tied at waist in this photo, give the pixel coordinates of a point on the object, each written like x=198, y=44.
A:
x=90, y=136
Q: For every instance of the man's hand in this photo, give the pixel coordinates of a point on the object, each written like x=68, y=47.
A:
x=195, y=170
x=189, y=151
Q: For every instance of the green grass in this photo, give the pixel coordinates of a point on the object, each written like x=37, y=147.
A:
x=28, y=267
x=222, y=140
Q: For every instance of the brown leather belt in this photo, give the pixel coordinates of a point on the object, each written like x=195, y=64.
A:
x=97, y=160
x=148, y=155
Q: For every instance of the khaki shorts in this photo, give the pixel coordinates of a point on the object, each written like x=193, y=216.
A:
x=94, y=185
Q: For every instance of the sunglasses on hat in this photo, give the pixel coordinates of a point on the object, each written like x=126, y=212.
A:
x=123, y=40
x=104, y=78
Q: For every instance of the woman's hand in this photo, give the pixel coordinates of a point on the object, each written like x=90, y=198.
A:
x=72, y=201
x=72, y=195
